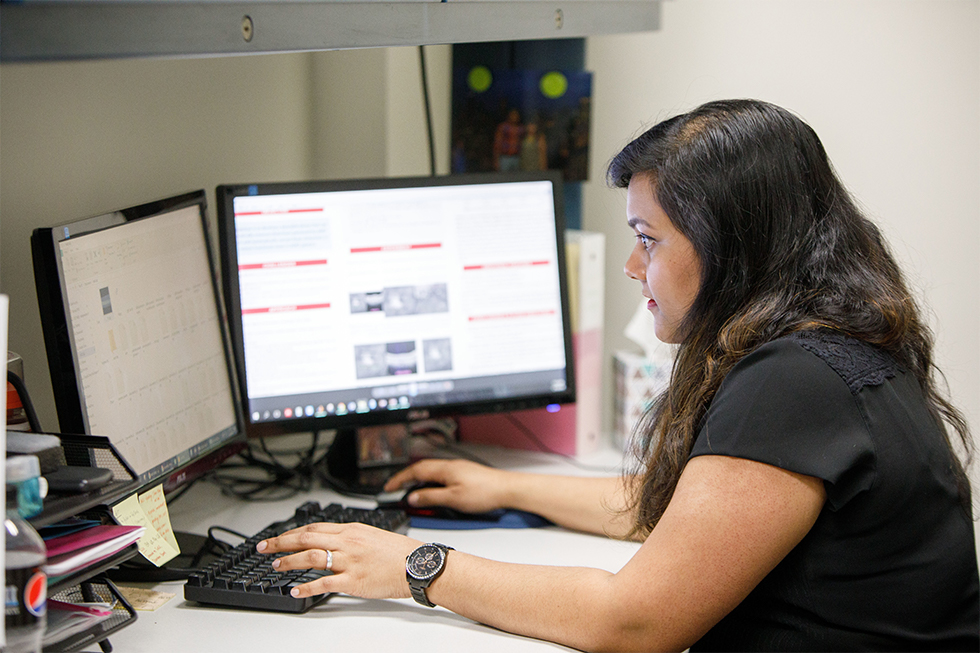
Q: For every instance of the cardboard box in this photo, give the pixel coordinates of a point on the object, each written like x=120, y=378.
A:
x=638, y=382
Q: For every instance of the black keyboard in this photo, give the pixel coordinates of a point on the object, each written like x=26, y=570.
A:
x=244, y=578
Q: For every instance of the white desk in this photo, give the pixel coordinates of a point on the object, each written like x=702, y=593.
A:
x=346, y=624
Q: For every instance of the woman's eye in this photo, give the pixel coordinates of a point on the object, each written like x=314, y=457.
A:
x=646, y=241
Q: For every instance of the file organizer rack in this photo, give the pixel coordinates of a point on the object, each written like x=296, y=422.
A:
x=88, y=585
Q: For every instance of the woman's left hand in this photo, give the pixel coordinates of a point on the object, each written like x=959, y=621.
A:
x=367, y=562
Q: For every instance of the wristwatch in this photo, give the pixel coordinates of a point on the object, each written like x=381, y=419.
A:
x=422, y=566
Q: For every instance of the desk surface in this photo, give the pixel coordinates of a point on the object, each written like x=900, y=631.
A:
x=345, y=623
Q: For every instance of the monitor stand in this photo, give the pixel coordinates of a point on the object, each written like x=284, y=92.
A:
x=345, y=468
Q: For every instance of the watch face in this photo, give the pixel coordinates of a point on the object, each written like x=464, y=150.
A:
x=426, y=561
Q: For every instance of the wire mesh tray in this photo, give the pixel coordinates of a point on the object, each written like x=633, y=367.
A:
x=98, y=590
x=88, y=451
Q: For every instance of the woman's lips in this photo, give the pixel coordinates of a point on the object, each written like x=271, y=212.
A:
x=651, y=304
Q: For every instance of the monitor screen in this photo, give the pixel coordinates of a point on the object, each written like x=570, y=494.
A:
x=363, y=302
x=136, y=337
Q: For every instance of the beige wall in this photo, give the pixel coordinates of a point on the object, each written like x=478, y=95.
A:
x=82, y=138
x=893, y=89
x=78, y=139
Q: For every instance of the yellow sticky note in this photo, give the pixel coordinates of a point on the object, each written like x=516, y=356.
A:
x=153, y=546
x=154, y=505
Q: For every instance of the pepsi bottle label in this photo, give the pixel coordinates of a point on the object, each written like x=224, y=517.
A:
x=25, y=596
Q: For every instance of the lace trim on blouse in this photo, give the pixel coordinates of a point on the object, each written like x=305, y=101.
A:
x=857, y=363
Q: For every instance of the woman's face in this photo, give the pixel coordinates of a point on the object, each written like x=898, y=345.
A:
x=663, y=260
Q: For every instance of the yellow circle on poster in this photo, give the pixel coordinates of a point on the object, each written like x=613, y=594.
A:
x=479, y=78
x=554, y=84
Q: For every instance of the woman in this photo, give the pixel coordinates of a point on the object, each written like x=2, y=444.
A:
x=798, y=488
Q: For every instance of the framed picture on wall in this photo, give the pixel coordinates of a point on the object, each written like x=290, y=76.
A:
x=506, y=120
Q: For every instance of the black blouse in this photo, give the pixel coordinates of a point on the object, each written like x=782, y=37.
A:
x=891, y=562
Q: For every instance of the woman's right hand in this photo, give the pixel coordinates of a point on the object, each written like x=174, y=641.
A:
x=462, y=484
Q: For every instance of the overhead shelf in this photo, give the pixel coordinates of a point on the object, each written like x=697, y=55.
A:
x=60, y=30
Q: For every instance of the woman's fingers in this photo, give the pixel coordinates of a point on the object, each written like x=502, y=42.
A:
x=465, y=485
x=311, y=536
x=365, y=561
x=325, y=585
x=310, y=559
x=424, y=471
x=433, y=496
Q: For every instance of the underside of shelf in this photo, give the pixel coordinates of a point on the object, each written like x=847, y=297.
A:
x=51, y=30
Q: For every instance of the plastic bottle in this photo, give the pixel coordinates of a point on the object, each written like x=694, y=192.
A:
x=24, y=472
x=16, y=414
x=25, y=584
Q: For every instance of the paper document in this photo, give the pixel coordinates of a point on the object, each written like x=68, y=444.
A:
x=79, y=550
x=155, y=546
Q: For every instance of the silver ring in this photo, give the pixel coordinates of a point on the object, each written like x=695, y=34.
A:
x=329, y=560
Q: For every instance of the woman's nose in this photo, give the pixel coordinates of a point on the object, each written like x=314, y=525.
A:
x=632, y=269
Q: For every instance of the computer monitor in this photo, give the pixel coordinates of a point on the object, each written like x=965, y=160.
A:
x=369, y=302
x=136, y=338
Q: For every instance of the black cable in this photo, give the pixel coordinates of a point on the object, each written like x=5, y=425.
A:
x=428, y=113
x=278, y=481
x=275, y=485
x=271, y=456
x=309, y=458
x=25, y=401
x=453, y=447
x=226, y=530
x=545, y=448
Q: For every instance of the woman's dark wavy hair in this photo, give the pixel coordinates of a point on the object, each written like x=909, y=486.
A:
x=783, y=248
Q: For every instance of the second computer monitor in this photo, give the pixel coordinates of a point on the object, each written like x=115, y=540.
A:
x=135, y=336
x=365, y=302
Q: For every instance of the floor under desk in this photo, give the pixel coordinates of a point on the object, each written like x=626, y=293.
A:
x=345, y=623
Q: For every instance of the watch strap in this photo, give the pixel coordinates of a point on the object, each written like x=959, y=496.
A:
x=418, y=586
x=418, y=593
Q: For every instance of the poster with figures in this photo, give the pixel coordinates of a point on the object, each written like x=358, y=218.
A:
x=505, y=120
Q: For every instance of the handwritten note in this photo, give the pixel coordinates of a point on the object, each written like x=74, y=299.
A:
x=154, y=505
x=154, y=545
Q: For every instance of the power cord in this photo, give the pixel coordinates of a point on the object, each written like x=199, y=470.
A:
x=25, y=401
x=533, y=437
x=440, y=441
x=428, y=112
x=259, y=474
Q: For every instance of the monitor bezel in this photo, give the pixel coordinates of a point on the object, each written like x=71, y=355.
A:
x=55, y=324
x=224, y=198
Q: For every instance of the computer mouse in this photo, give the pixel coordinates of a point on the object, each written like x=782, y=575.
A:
x=414, y=487
x=437, y=512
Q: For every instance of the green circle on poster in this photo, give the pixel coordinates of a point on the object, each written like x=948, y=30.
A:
x=479, y=78
x=553, y=84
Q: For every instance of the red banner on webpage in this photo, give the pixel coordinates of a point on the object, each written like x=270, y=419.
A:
x=280, y=264
x=313, y=210
x=393, y=248
x=283, y=309
x=516, y=264
x=506, y=316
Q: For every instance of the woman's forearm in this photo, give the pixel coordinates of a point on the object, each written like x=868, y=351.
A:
x=591, y=505
x=574, y=606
